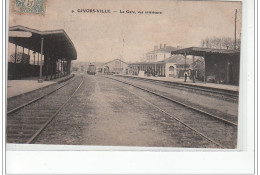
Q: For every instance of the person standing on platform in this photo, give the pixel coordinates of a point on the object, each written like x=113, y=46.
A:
x=185, y=76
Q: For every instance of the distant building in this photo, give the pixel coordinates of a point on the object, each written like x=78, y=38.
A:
x=178, y=65
x=160, y=54
x=160, y=69
x=115, y=66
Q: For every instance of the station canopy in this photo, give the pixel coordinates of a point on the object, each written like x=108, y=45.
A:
x=201, y=51
x=56, y=44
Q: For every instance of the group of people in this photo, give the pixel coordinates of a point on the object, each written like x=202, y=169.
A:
x=191, y=74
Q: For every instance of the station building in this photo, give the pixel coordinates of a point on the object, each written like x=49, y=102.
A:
x=52, y=53
x=221, y=65
x=159, y=54
x=160, y=69
x=115, y=66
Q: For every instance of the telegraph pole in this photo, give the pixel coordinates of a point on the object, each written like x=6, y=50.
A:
x=235, y=42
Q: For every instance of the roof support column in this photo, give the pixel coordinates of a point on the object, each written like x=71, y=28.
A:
x=47, y=66
x=38, y=59
x=34, y=58
x=154, y=67
x=54, y=68
x=204, y=56
x=185, y=73
x=62, y=71
x=15, y=54
x=59, y=68
x=68, y=66
x=65, y=66
x=51, y=69
x=40, y=80
x=228, y=72
x=193, y=72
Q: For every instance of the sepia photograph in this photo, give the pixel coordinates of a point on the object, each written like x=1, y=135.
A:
x=131, y=73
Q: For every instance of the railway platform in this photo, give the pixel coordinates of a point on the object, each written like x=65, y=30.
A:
x=16, y=88
x=190, y=82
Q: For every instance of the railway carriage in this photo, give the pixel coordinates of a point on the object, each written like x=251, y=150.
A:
x=91, y=70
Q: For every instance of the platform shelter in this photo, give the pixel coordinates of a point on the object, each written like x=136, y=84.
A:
x=221, y=65
x=53, y=52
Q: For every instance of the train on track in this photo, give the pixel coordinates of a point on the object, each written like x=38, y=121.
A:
x=91, y=70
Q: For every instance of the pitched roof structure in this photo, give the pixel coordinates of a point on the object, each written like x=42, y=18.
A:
x=178, y=59
x=115, y=60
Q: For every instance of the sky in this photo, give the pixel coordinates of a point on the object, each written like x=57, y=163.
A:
x=103, y=37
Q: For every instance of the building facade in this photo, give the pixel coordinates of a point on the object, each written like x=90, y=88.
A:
x=159, y=69
x=116, y=66
x=159, y=54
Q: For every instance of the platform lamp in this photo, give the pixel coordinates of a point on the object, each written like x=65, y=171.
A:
x=34, y=57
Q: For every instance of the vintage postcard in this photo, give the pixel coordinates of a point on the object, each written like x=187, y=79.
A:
x=139, y=73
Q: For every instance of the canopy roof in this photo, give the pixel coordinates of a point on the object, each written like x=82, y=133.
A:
x=201, y=51
x=56, y=44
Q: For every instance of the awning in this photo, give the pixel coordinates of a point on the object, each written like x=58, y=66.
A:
x=200, y=51
x=57, y=43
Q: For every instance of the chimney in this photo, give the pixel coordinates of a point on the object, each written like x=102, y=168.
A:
x=164, y=46
x=155, y=47
x=160, y=46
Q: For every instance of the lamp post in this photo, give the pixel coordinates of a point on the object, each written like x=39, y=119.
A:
x=193, y=65
x=185, y=73
x=40, y=79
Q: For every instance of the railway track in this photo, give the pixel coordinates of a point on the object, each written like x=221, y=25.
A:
x=26, y=122
x=173, y=94
x=17, y=101
x=233, y=95
x=14, y=109
x=195, y=119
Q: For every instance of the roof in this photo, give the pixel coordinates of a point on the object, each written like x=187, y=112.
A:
x=115, y=60
x=200, y=51
x=158, y=62
x=178, y=59
x=167, y=49
x=57, y=43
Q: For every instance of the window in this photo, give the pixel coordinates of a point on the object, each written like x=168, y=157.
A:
x=171, y=68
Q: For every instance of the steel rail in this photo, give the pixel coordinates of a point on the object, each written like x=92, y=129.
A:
x=183, y=123
x=180, y=85
x=178, y=102
x=172, y=116
x=37, y=99
x=53, y=116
